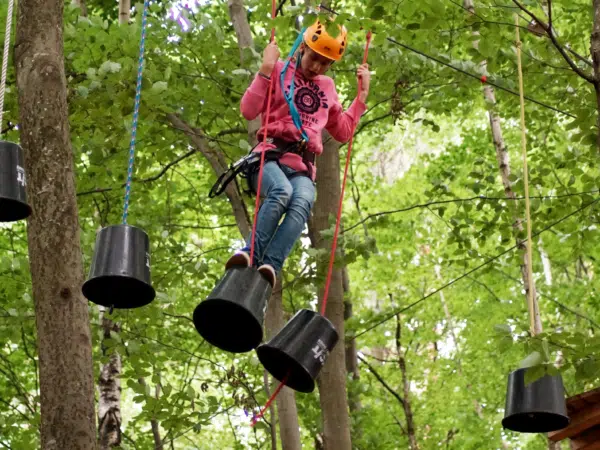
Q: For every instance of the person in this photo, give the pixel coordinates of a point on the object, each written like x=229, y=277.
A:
x=289, y=171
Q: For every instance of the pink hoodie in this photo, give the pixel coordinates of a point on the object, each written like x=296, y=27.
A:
x=319, y=107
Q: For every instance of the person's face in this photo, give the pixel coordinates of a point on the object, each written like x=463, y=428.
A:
x=312, y=63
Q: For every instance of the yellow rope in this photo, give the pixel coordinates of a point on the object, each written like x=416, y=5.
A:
x=526, y=182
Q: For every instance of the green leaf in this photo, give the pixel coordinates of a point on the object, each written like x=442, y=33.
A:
x=378, y=12
x=245, y=145
x=503, y=329
x=190, y=392
x=241, y=72
x=109, y=67
x=533, y=359
x=534, y=373
x=82, y=91
x=159, y=87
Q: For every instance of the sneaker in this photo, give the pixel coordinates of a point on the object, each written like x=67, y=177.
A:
x=267, y=271
x=239, y=258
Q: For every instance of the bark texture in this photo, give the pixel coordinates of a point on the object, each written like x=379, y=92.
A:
x=286, y=400
x=239, y=18
x=63, y=332
x=332, y=380
x=124, y=11
x=109, y=402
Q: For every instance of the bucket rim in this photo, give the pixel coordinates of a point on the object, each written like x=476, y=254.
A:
x=122, y=225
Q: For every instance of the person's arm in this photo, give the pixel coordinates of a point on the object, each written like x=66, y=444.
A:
x=341, y=124
x=254, y=99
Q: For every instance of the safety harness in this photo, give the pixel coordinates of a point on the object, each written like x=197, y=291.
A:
x=248, y=166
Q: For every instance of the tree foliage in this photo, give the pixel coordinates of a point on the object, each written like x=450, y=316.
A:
x=424, y=206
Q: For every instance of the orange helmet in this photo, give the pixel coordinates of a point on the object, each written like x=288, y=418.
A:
x=318, y=40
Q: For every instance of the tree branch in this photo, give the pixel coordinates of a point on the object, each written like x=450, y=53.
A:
x=219, y=165
x=457, y=200
x=14, y=408
x=382, y=381
x=145, y=180
x=581, y=58
x=548, y=29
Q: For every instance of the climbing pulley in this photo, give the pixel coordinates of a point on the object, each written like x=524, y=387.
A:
x=539, y=406
x=120, y=272
x=13, y=198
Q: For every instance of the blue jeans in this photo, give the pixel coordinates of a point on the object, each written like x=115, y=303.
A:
x=293, y=197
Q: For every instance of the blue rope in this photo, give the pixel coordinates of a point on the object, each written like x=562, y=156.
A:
x=289, y=99
x=136, y=111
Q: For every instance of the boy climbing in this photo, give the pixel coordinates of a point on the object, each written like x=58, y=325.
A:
x=294, y=139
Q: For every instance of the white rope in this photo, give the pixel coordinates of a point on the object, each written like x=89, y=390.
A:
x=9, y=15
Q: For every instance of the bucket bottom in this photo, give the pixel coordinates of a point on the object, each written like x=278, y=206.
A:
x=228, y=325
x=279, y=364
x=118, y=291
x=535, y=422
x=12, y=210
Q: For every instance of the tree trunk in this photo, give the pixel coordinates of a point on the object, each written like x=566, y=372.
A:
x=408, y=414
x=546, y=264
x=109, y=402
x=351, y=353
x=286, y=400
x=332, y=381
x=62, y=320
x=124, y=11
x=554, y=445
x=595, y=50
x=81, y=4
x=239, y=18
x=158, y=445
x=504, y=167
x=273, y=429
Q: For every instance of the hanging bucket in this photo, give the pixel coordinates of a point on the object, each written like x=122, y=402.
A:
x=13, y=199
x=232, y=316
x=538, y=407
x=299, y=350
x=120, y=272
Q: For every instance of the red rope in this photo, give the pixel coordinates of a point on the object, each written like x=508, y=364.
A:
x=262, y=154
x=339, y=213
x=335, y=237
x=255, y=419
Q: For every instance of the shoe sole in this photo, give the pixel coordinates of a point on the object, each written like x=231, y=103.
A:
x=268, y=274
x=239, y=259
